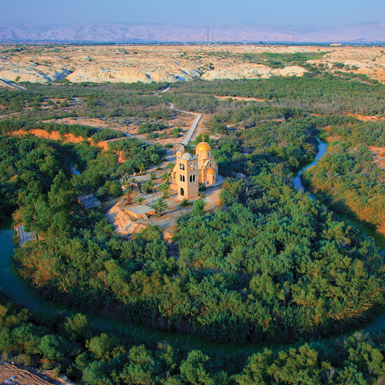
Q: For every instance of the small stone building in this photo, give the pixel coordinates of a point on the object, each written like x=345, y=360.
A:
x=140, y=211
x=89, y=201
x=190, y=170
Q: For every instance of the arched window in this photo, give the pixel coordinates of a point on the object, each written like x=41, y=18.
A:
x=182, y=191
x=182, y=178
x=181, y=166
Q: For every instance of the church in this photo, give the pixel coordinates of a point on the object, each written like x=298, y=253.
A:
x=190, y=170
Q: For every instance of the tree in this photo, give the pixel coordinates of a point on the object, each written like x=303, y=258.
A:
x=139, y=200
x=159, y=205
x=199, y=207
x=152, y=176
x=142, y=167
x=128, y=197
x=148, y=186
x=102, y=346
x=164, y=187
x=115, y=189
x=166, y=177
x=77, y=327
x=171, y=166
x=226, y=198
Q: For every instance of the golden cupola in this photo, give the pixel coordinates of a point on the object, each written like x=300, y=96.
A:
x=203, y=146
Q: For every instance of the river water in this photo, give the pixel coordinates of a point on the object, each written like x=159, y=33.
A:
x=18, y=291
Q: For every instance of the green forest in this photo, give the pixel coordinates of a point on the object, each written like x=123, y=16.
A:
x=270, y=265
x=347, y=177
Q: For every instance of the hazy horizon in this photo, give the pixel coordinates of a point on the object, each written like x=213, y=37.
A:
x=276, y=13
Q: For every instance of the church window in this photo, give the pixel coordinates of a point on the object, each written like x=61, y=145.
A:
x=181, y=165
x=182, y=178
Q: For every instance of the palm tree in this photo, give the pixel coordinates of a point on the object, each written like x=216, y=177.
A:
x=148, y=186
x=139, y=200
x=142, y=167
x=128, y=196
x=164, y=187
x=152, y=176
x=171, y=166
x=159, y=205
x=167, y=177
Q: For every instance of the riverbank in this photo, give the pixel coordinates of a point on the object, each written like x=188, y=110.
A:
x=20, y=293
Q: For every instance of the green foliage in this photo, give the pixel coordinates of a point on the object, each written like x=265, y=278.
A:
x=323, y=94
x=349, y=178
x=87, y=356
x=185, y=203
x=270, y=265
x=148, y=128
x=159, y=205
x=199, y=207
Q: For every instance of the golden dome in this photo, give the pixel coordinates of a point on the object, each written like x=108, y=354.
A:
x=203, y=146
x=210, y=171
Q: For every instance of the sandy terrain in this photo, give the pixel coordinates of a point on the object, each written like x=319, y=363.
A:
x=54, y=135
x=138, y=63
x=366, y=60
x=125, y=63
x=365, y=118
x=24, y=377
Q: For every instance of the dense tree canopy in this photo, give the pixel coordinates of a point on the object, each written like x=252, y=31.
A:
x=270, y=264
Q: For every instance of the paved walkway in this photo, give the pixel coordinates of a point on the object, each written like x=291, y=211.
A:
x=12, y=85
x=194, y=124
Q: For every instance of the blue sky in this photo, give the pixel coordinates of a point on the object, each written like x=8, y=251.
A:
x=203, y=12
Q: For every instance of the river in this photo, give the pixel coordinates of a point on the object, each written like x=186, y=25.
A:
x=18, y=291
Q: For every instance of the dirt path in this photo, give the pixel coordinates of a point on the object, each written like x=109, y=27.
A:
x=365, y=118
x=239, y=98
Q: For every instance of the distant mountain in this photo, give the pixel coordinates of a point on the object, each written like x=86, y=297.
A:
x=351, y=33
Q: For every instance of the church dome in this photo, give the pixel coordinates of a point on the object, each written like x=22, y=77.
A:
x=187, y=156
x=210, y=171
x=203, y=146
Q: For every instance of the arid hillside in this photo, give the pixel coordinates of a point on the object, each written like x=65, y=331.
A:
x=129, y=64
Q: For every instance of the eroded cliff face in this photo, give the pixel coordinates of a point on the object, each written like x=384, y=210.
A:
x=129, y=64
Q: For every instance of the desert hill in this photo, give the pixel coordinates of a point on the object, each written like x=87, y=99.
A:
x=171, y=63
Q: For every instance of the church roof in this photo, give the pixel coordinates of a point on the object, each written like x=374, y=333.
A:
x=210, y=171
x=203, y=146
x=187, y=156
